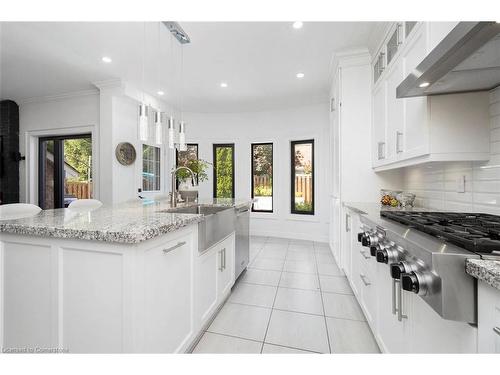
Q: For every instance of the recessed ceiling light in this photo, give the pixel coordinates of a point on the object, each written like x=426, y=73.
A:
x=424, y=84
x=223, y=84
x=298, y=25
x=160, y=93
x=106, y=59
x=300, y=75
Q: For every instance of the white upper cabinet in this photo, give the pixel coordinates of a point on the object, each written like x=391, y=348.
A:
x=411, y=131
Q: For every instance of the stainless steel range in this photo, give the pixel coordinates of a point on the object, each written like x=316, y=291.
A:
x=425, y=253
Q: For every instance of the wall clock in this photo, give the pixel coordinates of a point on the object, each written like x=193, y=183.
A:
x=125, y=153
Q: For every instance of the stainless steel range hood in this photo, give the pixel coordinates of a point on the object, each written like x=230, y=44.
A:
x=468, y=59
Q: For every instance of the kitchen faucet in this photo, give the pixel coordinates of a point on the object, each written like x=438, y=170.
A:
x=173, y=192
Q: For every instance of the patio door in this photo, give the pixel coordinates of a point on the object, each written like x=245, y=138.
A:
x=64, y=170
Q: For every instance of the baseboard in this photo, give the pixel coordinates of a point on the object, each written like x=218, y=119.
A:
x=293, y=235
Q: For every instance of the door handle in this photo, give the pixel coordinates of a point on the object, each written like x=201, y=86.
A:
x=224, y=258
x=401, y=316
x=364, y=279
x=347, y=218
x=169, y=249
x=394, y=308
x=364, y=254
x=221, y=267
x=398, y=142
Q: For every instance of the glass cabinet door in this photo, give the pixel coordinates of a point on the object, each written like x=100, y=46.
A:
x=393, y=43
x=409, y=25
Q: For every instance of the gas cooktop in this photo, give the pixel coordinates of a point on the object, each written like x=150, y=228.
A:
x=479, y=233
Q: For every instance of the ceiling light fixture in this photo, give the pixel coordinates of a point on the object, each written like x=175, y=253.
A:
x=161, y=93
x=298, y=25
x=223, y=84
x=424, y=84
x=106, y=59
x=143, y=108
x=300, y=75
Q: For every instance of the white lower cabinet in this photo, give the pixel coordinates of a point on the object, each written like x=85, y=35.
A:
x=418, y=328
x=215, y=278
x=488, y=318
x=96, y=297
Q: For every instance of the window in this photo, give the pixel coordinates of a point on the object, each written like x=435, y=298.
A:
x=262, y=177
x=223, y=159
x=183, y=157
x=150, y=168
x=64, y=170
x=302, y=172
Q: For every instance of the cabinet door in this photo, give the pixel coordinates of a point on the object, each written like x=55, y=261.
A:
x=345, y=244
x=168, y=296
x=395, y=111
x=393, y=334
x=416, y=126
x=225, y=256
x=356, y=250
x=207, y=298
x=379, y=124
x=433, y=334
x=488, y=300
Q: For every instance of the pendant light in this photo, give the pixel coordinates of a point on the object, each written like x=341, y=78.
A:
x=182, y=125
x=143, y=108
x=171, y=134
x=158, y=114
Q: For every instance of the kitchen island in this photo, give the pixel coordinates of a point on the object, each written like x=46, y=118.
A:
x=124, y=278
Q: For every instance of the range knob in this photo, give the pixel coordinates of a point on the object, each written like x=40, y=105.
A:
x=365, y=240
x=360, y=236
x=410, y=283
x=387, y=255
x=397, y=269
x=374, y=249
x=417, y=282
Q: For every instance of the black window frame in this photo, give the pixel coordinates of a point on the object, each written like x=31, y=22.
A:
x=252, y=175
x=214, y=160
x=292, y=177
x=177, y=159
x=59, y=188
x=156, y=147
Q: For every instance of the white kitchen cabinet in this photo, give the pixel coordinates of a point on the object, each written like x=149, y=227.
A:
x=418, y=130
x=346, y=242
x=215, y=278
x=393, y=335
x=395, y=112
x=488, y=318
x=99, y=297
x=420, y=329
x=169, y=296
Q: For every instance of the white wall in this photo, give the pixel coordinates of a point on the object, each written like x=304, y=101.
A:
x=51, y=116
x=280, y=127
x=436, y=185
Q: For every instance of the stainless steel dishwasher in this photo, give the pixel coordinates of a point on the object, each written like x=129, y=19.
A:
x=242, y=251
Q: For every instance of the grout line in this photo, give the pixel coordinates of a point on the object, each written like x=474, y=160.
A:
x=274, y=301
x=324, y=313
x=291, y=347
x=233, y=336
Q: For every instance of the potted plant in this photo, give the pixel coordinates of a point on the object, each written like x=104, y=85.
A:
x=199, y=167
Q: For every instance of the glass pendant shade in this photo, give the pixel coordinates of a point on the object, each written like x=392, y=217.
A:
x=143, y=122
x=158, y=128
x=182, y=137
x=171, y=136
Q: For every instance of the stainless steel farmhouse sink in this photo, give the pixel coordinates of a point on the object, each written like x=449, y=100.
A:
x=219, y=222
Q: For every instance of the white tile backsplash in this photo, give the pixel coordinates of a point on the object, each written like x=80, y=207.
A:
x=435, y=184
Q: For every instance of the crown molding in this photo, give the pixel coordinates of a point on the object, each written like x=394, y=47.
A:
x=57, y=97
x=108, y=84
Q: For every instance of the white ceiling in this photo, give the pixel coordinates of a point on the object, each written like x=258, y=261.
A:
x=258, y=60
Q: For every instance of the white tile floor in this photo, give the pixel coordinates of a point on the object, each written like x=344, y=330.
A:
x=293, y=298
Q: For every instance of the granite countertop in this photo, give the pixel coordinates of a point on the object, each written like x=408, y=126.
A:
x=485, y=270
x=130, y=222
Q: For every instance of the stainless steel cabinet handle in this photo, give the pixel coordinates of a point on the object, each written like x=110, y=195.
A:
x=221, y=267
x=400, y=33
x=364, y=254
x=401, y=316
x=179, y=244
x=224, y=258
x=347, y=219
x=381, y=150
x=398, y=142
x=394, y=308
x=496, y=330
x=364, y=280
